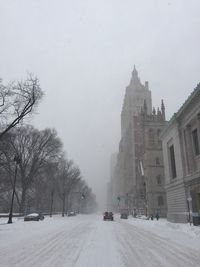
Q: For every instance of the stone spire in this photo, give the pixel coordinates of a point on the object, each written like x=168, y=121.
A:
x=163, y=109
x=135, y=79
x=134, y=72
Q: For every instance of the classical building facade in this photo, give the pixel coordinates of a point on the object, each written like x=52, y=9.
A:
x=181, y=151
x=132, y=177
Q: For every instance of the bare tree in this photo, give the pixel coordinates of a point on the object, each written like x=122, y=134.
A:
x=83, y=198
x=5, y=191
x=34, y=148
x=48, y=186
x=17, y=100
x=7, y=170
x=69, y=176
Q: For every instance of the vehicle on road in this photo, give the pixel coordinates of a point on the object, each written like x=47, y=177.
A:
x=71, y=213
x=124, y=213
x=34, y=217
x=124, y=216
x=108, y=215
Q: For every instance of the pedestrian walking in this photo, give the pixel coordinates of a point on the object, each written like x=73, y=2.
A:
x=157, y=216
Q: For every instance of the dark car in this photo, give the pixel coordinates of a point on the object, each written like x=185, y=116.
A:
x=108, y=215
x=124, y=216
x=34, y=217
x=71, y=213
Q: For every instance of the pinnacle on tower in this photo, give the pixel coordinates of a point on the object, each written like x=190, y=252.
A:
x=145, y=107
x=134, y=72
x=135, y=79
x=162, y=105
x=163, y=109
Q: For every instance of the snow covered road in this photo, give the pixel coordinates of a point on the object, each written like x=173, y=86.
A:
x=88, y=241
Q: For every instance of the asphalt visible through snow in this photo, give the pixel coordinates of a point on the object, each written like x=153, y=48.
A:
x=88, y=241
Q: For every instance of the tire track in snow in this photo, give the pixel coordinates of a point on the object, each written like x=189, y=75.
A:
x=87, y=241
x=143, y=248
x=101, y=247
x=54, y=249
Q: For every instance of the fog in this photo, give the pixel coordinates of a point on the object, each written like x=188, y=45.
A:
x=83, y=52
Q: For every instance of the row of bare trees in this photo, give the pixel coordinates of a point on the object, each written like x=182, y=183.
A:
x=45, y=179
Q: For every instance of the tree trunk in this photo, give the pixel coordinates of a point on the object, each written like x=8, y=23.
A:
x=63, y=206
x=51, y=206
x=23, y=200
x=67, y=203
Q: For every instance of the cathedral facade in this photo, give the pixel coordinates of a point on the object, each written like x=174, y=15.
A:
x=137, y=180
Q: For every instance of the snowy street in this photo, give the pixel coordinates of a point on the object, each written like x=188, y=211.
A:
x=87, y=240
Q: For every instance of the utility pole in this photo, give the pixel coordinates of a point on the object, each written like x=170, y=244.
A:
x=17, y=161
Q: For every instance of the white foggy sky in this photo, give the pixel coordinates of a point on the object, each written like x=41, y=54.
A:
x=83, y=52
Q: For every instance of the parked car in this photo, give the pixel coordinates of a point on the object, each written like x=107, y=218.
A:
x=108, y=215
x=71, y=213
x=34, y=217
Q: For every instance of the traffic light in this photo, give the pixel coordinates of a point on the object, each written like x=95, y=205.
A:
x=82, y=195
x=118, y=198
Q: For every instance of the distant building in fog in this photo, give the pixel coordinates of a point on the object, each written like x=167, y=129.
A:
x=111, y=184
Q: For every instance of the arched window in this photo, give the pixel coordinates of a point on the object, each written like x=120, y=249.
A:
x=151, y=137
x=160, y=201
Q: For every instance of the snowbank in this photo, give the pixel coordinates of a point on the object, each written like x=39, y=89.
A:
x=177, y=232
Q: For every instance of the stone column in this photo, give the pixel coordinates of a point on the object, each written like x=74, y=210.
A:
x=183, y=151
x=190, y=153
x=198, y=128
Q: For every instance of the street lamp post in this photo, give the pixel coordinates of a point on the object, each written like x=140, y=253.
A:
x=17, y=161
x=145, y=199
x=127, y=202
x=189, y=199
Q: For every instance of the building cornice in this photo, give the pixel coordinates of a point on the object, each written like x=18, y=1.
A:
x=175, y=118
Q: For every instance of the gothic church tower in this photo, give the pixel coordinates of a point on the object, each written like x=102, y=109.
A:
x=135, y=95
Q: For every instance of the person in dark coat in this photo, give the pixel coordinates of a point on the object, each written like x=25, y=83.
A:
x=157, y=216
